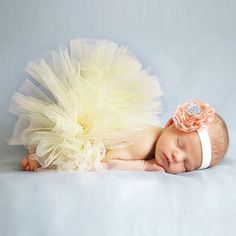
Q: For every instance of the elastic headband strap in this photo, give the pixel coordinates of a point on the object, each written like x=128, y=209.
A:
x=206, y=148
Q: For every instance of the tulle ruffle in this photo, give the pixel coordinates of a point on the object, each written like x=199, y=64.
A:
x=83, y=102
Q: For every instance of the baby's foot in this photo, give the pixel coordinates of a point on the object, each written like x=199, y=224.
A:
x=28, y=164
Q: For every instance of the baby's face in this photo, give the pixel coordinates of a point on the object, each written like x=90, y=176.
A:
x=177, y=151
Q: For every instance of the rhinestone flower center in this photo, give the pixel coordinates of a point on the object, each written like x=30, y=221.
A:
x=193, y=110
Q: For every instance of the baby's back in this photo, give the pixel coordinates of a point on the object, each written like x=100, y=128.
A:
x=142, y=149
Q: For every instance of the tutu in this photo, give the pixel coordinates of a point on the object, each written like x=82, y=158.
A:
x=81, y=102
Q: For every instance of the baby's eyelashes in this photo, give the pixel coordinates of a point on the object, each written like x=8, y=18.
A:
x=178, y=143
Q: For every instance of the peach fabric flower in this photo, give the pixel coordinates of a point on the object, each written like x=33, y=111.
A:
x=193, y=115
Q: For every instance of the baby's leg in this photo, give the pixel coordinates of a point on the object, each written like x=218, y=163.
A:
x=28, y=164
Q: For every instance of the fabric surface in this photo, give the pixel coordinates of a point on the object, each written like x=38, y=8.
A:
x=94, y=95
x=190, y=46
x=120, y=203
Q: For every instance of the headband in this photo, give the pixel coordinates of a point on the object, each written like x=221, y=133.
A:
x=206, y=148
x=196, y=115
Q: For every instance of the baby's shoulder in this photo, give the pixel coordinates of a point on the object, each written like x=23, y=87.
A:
x=153, y=129
x=143, y=148
x=150, y=134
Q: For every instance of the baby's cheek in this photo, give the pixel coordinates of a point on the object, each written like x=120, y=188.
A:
x=156, y=151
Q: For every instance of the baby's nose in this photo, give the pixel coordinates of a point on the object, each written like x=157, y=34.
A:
x=177, y=156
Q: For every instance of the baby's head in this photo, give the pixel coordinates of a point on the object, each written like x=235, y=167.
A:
x=195, y=138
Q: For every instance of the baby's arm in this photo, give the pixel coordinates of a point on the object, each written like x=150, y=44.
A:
x=136, y=165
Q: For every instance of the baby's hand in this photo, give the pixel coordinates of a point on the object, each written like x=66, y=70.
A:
x=101, y=166
x=151, y=165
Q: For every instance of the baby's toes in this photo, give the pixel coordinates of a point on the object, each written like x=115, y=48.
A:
x=24, y=163
x=27, y=167
x=33, y=164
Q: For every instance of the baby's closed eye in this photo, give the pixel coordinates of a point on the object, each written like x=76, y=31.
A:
x=179, y=143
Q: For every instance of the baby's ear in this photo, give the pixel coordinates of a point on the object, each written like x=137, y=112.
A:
x=169, y=123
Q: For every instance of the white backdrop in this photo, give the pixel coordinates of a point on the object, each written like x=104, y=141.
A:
x=189, y=44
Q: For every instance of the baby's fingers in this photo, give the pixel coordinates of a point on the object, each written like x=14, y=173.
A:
x=101, y=166
x=159, y=168
x=151, y=165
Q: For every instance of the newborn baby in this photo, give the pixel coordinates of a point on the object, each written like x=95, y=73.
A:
x=195, y=138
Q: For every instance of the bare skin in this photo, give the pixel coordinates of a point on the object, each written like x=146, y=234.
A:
x=28, y=164
x=156, y=149
x=143, y=152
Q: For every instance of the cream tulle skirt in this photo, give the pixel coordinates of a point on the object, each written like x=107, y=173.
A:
x=82, y=102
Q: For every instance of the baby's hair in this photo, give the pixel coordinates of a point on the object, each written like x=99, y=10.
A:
x=219, y=137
